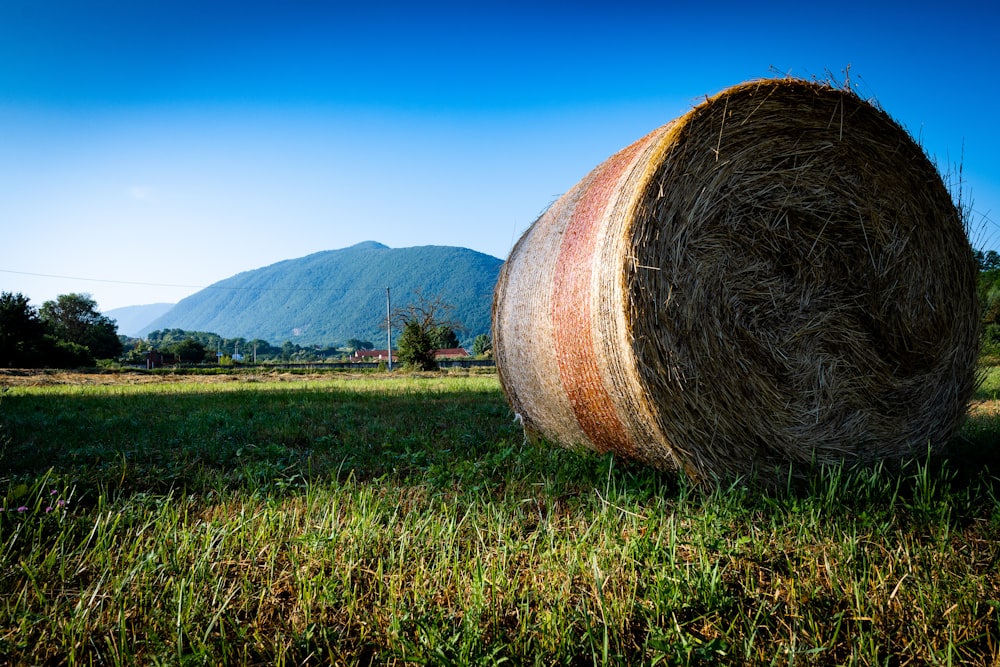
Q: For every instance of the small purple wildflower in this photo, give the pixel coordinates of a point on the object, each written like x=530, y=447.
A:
x=55, y=502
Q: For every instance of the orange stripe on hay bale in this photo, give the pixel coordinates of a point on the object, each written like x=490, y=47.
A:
x=571, y=314
x=775, y=280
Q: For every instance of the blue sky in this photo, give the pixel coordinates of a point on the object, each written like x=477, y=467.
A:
x=149, y=148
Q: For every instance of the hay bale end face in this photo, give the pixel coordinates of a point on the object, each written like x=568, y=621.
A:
x=776, y=280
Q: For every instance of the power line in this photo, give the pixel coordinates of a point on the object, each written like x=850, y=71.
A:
x=99, y=280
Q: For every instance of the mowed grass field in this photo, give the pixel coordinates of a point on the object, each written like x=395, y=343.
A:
x=259, y=519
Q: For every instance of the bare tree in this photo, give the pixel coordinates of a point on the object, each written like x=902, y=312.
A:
x=419, y=321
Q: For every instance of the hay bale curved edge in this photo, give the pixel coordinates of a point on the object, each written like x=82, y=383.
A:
x=777, y=279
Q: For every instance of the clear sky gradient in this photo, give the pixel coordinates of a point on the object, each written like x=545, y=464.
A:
x=152, y=147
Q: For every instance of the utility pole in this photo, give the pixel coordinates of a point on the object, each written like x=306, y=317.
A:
x=388, y=324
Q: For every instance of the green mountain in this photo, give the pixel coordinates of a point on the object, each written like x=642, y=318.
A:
x=331, y=296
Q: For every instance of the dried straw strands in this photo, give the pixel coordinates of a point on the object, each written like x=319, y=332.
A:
x=775, y=280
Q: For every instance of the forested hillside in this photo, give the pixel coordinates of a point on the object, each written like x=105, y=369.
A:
x=334, y=295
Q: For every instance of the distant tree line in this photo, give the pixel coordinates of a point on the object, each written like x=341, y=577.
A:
x=70, y=332
x=989, y=296
x=204, y=346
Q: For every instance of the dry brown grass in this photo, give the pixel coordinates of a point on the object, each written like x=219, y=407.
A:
x=31, y=377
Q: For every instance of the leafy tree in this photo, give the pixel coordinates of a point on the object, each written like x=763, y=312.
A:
x=989, y=285
x=415, y=347
x=166, y=337
x=989, y=298
x=261, y=349
x=443, y=337
x=420, y=320
x=988, y=260
x=66, y=354
x=355, y=344
x=189, y=350
x=482, y=345
x=136, y=351
x=21, y=332
x=74, y=318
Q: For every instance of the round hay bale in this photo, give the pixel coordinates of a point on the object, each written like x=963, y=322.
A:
x=776, y=280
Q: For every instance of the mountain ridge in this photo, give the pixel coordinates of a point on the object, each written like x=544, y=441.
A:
x=333, y=295
x=132, y=319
